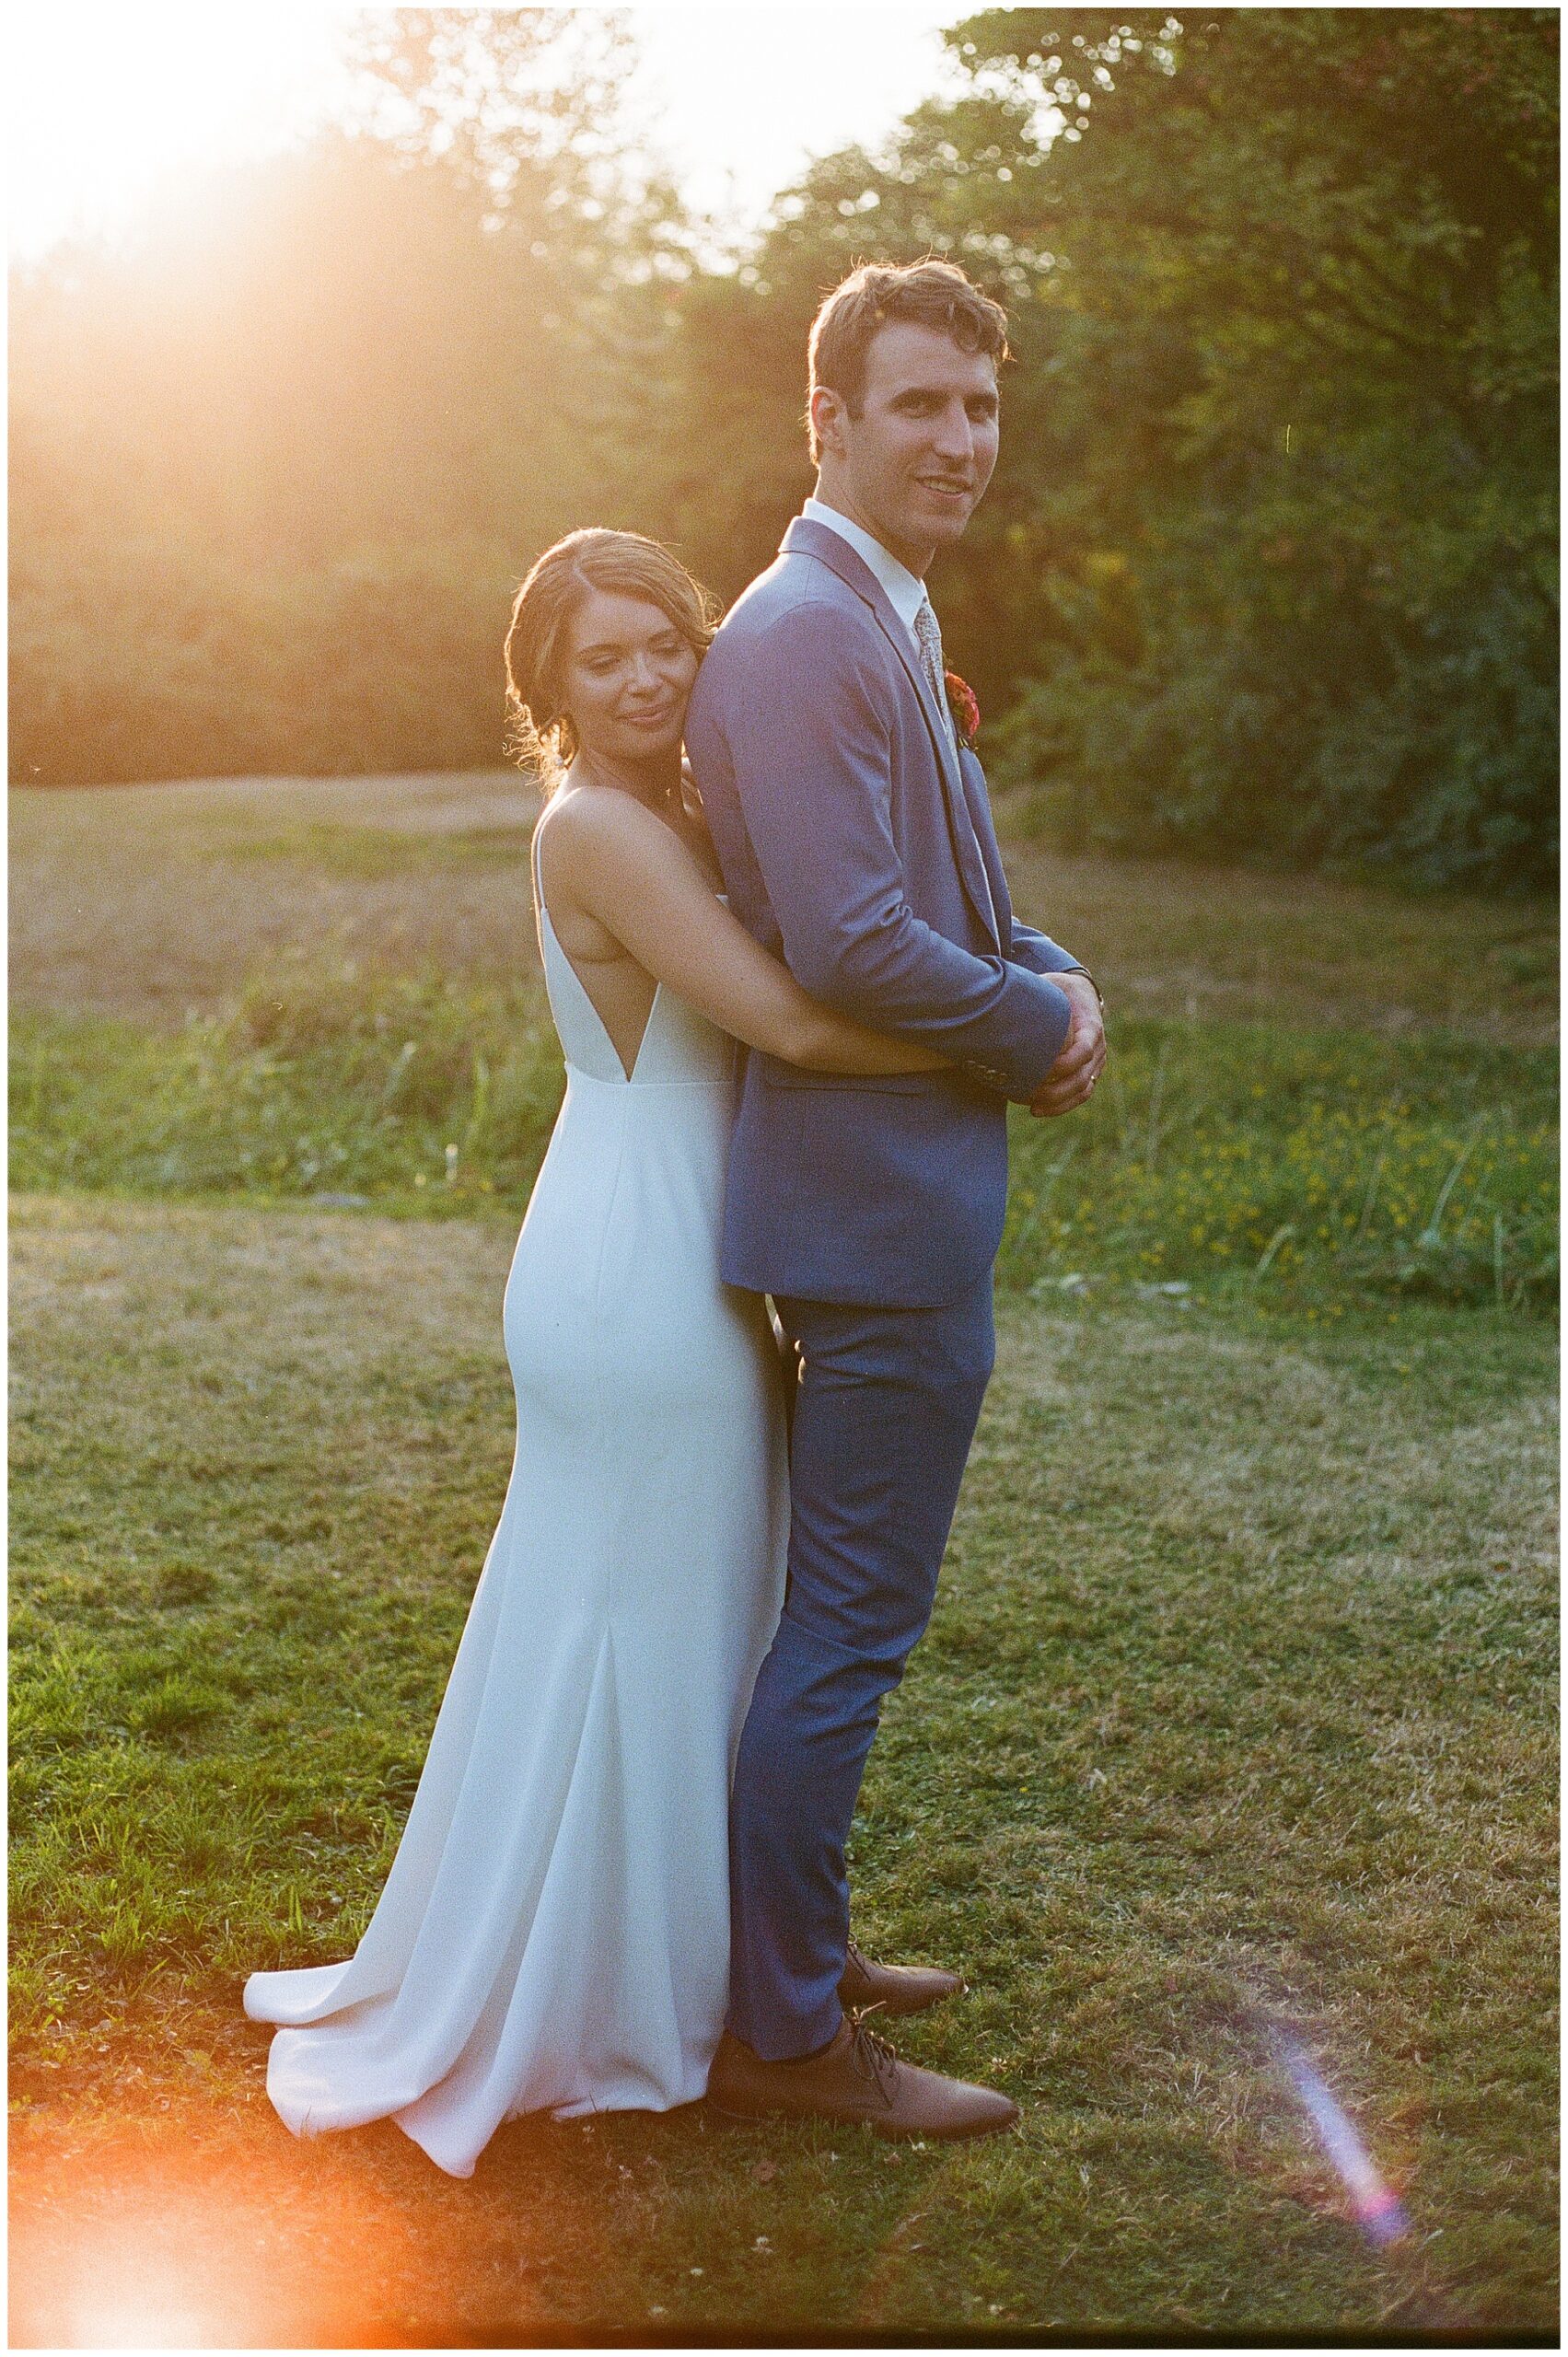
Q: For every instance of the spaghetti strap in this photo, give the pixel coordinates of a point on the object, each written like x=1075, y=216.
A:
x=538, y=883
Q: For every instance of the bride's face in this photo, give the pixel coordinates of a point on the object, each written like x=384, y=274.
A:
x=625, y=677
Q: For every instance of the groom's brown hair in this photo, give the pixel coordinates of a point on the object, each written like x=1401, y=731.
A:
x=926, y=294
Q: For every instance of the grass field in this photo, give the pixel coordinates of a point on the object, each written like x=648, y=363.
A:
x=1236, y=1713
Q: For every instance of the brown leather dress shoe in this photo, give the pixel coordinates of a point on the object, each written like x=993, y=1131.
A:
x=856, y=2077
x=897, y=1988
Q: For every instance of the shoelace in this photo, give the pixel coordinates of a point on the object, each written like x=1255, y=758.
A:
x=854, y=1953
x=872, y=2055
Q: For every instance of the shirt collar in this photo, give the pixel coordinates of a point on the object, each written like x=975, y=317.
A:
x=905, y=591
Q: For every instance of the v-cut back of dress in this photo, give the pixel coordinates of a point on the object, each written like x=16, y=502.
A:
x=678, y=1045
x=583, y=1034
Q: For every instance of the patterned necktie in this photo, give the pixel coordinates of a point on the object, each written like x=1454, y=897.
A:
x=928, y=638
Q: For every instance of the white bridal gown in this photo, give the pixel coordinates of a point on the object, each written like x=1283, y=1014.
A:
x=554, y=1932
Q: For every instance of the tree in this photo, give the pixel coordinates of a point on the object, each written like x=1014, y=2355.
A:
x=279, y=461
x=1293, y=278
x=1267, y=569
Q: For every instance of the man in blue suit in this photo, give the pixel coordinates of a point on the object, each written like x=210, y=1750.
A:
x=853, y=827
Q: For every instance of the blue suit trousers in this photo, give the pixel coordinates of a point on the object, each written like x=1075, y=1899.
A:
x=886, y=1405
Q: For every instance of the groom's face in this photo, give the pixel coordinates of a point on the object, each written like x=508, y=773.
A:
x=911, y=465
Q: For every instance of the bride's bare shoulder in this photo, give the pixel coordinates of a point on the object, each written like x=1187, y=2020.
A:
x=579, y=820
x=583, y=820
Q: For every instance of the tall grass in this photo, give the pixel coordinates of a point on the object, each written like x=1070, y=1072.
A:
x=1339, y=1163
x=1315, y=1162
x=326, y=1080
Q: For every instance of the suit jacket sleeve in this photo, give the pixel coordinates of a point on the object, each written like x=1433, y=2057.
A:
x=807, y=729
x=1039, y=953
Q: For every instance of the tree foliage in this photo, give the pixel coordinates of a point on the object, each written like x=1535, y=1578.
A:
x=1294, y=299
x=1267, y=567
x=278, y=464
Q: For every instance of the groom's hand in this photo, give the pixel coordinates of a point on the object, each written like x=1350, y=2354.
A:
x=1070, y=1082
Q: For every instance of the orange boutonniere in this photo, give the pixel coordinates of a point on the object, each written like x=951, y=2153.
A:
x=964, y=706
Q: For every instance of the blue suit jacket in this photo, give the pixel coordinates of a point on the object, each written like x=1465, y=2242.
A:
x=859, y=848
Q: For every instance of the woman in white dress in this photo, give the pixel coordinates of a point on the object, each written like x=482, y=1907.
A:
x=554, y=1931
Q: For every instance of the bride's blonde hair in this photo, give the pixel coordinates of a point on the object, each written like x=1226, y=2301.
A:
x=540, y=733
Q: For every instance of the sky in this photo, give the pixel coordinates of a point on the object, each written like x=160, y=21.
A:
x=108, y=105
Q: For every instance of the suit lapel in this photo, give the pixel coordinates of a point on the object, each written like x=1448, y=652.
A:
x=989, y=851
x=806, y=537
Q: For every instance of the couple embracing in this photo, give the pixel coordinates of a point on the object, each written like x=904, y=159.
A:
x=794, y=1004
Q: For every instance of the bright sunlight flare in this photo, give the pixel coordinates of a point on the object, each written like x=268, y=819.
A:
x=111, y=108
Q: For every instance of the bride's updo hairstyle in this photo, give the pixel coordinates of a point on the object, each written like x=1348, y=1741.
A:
x=540, y=733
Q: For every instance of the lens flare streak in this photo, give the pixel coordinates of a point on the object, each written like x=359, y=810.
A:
x=1378, y=2210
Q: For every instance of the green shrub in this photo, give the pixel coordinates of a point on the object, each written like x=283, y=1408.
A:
x=154, y=660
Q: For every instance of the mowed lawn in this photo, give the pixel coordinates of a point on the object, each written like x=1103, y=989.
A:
x=1235, y=1717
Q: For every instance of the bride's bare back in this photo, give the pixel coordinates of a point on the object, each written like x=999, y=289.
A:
x=620, y=989
x=632, y=899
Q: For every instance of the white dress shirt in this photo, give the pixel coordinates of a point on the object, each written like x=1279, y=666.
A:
x=905, y=590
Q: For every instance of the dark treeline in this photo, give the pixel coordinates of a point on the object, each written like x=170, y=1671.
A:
x=1267, y=571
